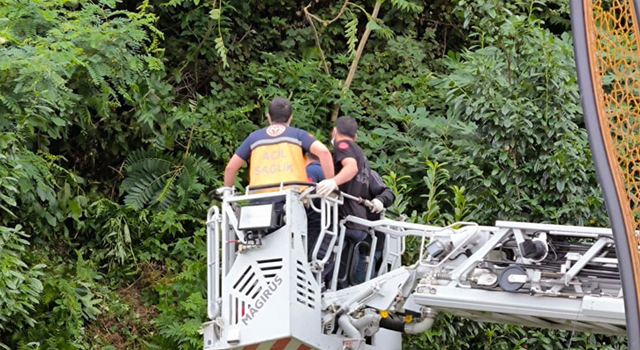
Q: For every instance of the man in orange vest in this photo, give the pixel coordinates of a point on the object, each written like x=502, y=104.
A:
x=276, y=153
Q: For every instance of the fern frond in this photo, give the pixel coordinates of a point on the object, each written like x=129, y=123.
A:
x=222, y=51
x=96, y=77
x=203, y=168
x=385, y=31
x=148, y=161
x=143, y=190
x=159, y=180
x=351, y=32
x=125, y=94
x=406, y=6
x=10, y=103
x=165, y=195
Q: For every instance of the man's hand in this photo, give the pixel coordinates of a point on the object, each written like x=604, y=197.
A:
x=224, y=191
x=376, y=206
x=325, y=187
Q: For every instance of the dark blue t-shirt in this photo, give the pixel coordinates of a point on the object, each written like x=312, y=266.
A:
x=314, y=172
x=274, y=134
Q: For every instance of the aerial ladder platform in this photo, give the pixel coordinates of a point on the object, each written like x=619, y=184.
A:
x=266, y=290
x=269, y=287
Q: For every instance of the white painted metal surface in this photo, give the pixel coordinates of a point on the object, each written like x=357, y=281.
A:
x=270, y=296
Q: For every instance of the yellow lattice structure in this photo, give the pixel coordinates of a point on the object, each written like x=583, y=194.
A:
x=613, y=41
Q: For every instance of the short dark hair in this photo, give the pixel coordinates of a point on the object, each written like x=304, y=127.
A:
x=347, y=126
x=279, y=110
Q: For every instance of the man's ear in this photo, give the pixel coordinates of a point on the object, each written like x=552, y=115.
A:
x=269, y=118
x=290, y=119
x=355, y=137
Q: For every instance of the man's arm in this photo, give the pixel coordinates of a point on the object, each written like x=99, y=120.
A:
x=231, y=170
x=348, y=171
x=386, y=197
x=380, y=191
x=324, y=156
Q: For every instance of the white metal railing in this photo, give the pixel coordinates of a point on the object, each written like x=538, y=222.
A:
x=213, y=262
x=328, y=226
x=218, y=264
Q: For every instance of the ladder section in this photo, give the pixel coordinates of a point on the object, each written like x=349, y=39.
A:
x=538, y=275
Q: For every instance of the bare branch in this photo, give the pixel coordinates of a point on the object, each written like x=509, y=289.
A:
x=245, y=34
x=204, y=39
x=356, y=58
x=317, y=39
x=325, y=22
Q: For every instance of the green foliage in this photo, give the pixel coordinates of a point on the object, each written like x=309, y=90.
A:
x=398, y=184
x=436, y=177
x=463, y=205
x=68, y=303
x=20, y=285
x=406, y=6
x=182, y=302
x=161, y=180
x=116, y=227
x=60, y=65
x=532, y=154
x=222, y=51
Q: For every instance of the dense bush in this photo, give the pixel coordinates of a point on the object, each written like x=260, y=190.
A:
x=117, y=118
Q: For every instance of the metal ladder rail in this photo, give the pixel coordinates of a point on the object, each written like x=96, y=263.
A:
x=328, y=226
x=549, y=307
x=602, y=237
x=213, y=263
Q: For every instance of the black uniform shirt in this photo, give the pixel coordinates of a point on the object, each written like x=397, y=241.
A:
x=358, y=186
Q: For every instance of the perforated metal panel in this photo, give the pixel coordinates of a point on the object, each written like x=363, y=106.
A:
x=606, y=43
x=304, y=288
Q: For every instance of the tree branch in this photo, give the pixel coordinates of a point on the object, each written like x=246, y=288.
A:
x=205, y=37
x=324, y=21
x=317, y=39
x=245, y=34
x=356, y=59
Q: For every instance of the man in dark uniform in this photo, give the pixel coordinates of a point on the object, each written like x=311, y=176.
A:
x=354, y=176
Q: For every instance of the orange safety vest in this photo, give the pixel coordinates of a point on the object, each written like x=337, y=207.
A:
x=275, y=155
x=276, y=163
